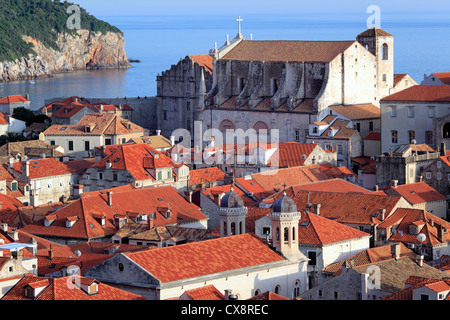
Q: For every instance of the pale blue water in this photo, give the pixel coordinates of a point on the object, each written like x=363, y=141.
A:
x=421, y=46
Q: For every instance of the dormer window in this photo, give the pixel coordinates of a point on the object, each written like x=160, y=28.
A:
x=48, y=220
x=88, y=128
x=70, y=221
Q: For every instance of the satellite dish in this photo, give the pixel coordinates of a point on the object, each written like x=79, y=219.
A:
x=303, y=156
x=421, y=237
x=413, y=141
x=78, y=253
x=372, y=158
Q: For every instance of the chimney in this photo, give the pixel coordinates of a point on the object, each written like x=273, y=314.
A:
x=188, y=196
x=382, y=214
x=108, y=164
x=308, y=206
x=420, y=178
x=27, y=169
x=4, y=227
x=432, y=222
x=13, y=234
x=217, y=198
x=158, y=132
x=77, y=190
x=317, y=208
x=109, y=193
x=419, y=259
x=377, y=188
x=172, y=140
x=395, y=183
x=440, y=233
x=396, y=251
x=50, y=253
x=150, y=223
x=443, y=149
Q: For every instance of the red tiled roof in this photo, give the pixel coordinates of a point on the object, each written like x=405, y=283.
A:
x=80, y=166
x=201, y=258
x=45, y=167
x=358, y=112
x=144, y=201
x=13, y=99
x=421, y=93
x=323, y=51
x=68, y=111
x=104, y=123
x=208, y=292
x=369, y=256
x=136, y=159
x=349, y=208
x=405, y=217
x=290, y=154
x=204, y=60
x=398, y=78
x=376, y=136
x=375, y=32
x=443, y=76
x=212, y=174
x=317, y=230
x=407, y=293
x=414, y=193
x=58, y=289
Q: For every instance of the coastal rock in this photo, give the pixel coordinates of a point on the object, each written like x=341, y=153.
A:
x=84, y=50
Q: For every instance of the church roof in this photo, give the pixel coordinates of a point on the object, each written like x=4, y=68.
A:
x=204, y=60
x=286, y=50
x=375, y=32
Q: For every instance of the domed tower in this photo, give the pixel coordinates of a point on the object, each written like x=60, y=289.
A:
x=232, y=214
x=381, y=44
x=285, y=219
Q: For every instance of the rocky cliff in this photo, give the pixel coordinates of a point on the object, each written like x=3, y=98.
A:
x=82, y=51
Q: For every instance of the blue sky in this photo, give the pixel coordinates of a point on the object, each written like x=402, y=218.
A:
x=141, y=7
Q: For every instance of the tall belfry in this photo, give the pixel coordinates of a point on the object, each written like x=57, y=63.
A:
x=232, y=214
x=285, y=220
x=381, y=44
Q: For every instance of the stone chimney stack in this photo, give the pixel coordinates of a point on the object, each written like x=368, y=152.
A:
x=382, y=214
x=109, y=194
x=419, y=259
x=150, y=223
x=395, y=183
x=317, y=208
x=396, y=251
x=229, y=295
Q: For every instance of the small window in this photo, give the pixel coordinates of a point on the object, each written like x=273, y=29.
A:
x=439, y=164
x=312, y=255
x=411, y=112
x=394, y=136
x=70, y=145
x=428, y=175
x=100, y=175
x=439, y=176
x=14, y=186
x=371, y=126
x=52, y=142
x=411, y=136
x=431, y=112
x=336, y=295
x=87, y=146
x=393, y=111
x=115, y=177
x=429, y=137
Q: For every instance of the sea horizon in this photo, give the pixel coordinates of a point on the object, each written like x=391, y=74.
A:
x=160, y=41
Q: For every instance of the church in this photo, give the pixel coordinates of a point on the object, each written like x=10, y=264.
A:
x=287, y=85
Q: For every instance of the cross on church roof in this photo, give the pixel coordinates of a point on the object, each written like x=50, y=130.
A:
x=239, y=20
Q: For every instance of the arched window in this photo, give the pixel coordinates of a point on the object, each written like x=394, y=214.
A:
x=261, y=126
x=226, y=125
x=297, y=288
x=278, y=234
x=233, y=228
x=385, y=52
x=241, y=228
x=277, y=289
x=446, y=131
x=293, y=233
x=257, y=291
x=225, y=228
x=286, y=234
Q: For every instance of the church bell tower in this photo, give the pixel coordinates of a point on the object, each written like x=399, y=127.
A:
x=381, y=44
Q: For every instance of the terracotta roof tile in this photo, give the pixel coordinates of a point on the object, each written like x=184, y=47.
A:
x=205, y=257
x=204, y=60
x=208, y=292
x=421, y=93
x=13, y=99
x=268, y=295
x=415, y=193
x=358, y=112
x=58, y=289
x=45, y=167
x=375, y=32
x=443, y=76
x=291, y=154
x=315, y=51
x=212, y=174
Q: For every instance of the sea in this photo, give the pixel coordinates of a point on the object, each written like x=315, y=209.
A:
x=421, y=42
